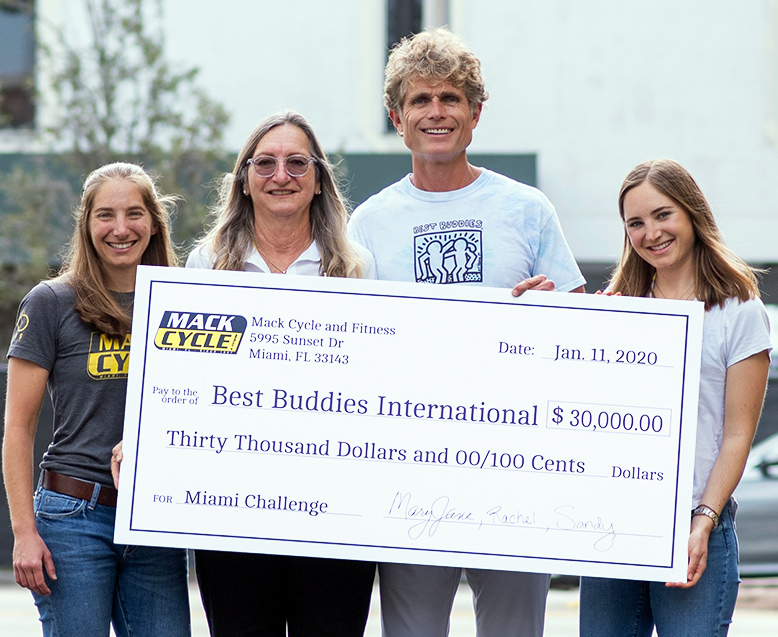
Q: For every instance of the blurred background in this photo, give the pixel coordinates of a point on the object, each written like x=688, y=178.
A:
x=580, y=92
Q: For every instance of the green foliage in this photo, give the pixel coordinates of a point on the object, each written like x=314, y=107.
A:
x=117, y=98
x=120, y=98
x=38, y=225
x=32, y=233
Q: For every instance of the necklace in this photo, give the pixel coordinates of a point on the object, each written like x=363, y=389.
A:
x=688, y=295
x=273, y=265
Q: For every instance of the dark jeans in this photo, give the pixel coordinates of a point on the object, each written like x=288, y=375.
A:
x=246, y=594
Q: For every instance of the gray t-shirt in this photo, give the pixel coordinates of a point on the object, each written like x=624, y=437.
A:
x=87, y=379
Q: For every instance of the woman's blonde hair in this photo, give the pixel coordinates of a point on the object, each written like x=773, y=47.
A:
x=436, y=56
x=719, y=273
x=231, y=238
x=82, y=268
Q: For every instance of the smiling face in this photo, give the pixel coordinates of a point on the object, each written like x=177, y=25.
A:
x=282, y=196
x=660, y=230
x=120, y=227
x=436, y=121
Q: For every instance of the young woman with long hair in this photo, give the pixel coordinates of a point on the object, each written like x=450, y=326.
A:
x=673, y=250
x=73, y=336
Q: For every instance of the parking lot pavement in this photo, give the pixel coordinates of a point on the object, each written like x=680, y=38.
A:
x=756, y=614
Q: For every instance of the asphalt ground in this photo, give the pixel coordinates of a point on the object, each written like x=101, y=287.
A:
x=756, y=614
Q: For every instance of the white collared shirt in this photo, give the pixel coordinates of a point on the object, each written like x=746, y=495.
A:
x=307, y=264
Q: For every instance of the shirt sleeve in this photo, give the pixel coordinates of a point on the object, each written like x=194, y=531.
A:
x=554, y=257
x=198, y=258
x=368, y=262
x=353, y=229
x=35, y=334
x=748, y=331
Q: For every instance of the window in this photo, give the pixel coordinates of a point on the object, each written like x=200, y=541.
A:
x=406, y=17
x=17, y=58
x=403, y=18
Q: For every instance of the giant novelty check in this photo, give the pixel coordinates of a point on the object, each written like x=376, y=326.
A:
x=397, y=422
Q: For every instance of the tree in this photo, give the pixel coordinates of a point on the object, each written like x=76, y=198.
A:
x=116, y=97
x=119, y=96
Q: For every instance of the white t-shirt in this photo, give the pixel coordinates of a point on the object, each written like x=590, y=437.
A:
x=494, y=232
x=307, y=264
x=729, y=335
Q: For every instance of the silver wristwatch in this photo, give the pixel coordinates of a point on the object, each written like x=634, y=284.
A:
x=705, y=510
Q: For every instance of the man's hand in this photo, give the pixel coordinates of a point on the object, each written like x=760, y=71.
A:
x=539, y=282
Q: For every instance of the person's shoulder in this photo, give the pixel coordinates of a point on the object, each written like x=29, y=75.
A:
x=52, y=291
x=367, y=259
x=735, y=313
x=511, y=187
x=199, y=257
x=362, y=252
x=733, y=305
x=378, y=200
x=753, y=307
x=42, y=313
x=744, y=326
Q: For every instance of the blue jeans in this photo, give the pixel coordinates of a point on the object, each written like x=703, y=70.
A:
x=624, y=608
x=141, y=590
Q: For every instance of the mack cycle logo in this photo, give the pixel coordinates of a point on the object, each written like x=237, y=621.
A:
x=109, y=356
x=191, y=332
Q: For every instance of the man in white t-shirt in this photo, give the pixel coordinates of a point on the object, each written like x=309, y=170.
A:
x=450, y=222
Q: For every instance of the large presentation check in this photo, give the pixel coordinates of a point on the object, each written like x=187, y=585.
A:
x=397, y=422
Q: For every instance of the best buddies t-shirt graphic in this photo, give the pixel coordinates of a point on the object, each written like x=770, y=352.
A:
x=453, y=256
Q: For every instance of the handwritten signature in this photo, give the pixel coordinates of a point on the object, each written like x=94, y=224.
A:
x=567, y=522
x=499, y=517
x=429, y=516
x=427, y=519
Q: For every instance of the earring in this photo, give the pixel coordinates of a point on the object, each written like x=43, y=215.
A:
x=246, y=192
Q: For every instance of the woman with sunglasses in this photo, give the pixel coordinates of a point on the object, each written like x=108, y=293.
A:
x=280, y=212
x=73, y=335
x=673, y=250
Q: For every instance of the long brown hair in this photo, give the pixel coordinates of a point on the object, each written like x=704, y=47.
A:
x=231, y=238
x=82, y=268
x=719, y=273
